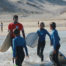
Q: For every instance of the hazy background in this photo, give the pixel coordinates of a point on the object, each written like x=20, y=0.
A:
x=30, y=8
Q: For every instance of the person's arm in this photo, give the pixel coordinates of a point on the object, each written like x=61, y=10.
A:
x=26, y=50
x=48, y=34
x=14, y=48
x=54, y=41
x=49, y=37
x=51, y=40
x=23, y=33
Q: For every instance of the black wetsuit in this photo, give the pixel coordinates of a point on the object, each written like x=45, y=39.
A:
x=40, y=49
x=19, y=44
x=20, y=56
x=55, y=41
x=55, y=56
x=41, y=42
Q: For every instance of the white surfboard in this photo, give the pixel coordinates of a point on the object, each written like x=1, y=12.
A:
x=61, y=57
x=6, y=44
x=32, y=39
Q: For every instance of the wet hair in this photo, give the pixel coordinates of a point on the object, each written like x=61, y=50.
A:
x=16, y=31
x=53, y=25
x=15, y=16
x=42, y=24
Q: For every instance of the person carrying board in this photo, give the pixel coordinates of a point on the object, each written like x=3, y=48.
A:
x=42, y=32
x=15, y=25
x=18, y=52
x=55, y=41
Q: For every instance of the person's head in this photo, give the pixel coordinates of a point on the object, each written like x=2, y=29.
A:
x=16, y=32
x=15, y=18
x=53, y=26
x=42, y=25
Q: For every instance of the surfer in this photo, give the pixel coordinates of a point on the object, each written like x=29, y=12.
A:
x=15, y=25
x=55, y=41
x=18, y=52
x=42, y=32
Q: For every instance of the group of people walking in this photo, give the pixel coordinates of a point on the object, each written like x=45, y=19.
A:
x=18, y=42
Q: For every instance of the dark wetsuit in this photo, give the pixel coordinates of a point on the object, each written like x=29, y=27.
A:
x=55, y=40
x=41, y=42
x=20, y=56
x=18, y=52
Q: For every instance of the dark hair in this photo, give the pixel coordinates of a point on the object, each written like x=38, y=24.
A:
x=42, y=24
x=53, y=25
x=15, y=16
x=16, y=31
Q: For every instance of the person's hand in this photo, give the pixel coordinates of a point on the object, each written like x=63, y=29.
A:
x=14, y=58
x=27, y=56
x=54, y=51
x=51, y=44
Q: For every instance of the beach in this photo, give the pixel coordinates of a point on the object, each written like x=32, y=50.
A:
x=33, y=60
x=31, y=12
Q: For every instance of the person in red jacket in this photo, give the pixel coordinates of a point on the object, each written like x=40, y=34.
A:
x=15, y=25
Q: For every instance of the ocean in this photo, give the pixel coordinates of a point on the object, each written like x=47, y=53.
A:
x=33, y=60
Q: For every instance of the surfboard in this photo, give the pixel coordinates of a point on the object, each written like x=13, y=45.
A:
x=6, y=43
x=61, y=57
x=32, y=39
